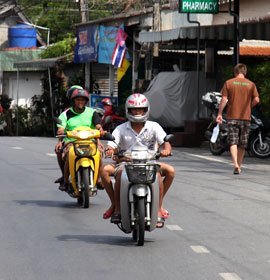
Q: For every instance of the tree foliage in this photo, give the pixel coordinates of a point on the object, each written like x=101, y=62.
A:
x=260, y=75
x=64, y=47
x=61, y=16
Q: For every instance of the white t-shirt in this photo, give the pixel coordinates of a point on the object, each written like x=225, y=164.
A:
x=150, y=135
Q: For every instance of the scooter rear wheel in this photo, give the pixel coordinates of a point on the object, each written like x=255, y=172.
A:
x=258, y=150
x=216, y=149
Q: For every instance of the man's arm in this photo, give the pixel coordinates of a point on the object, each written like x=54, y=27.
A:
x=255, y=101
x=222, y=105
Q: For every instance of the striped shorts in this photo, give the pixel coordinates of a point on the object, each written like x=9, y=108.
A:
x=238, y=132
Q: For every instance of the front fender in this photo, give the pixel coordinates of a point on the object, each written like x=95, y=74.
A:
x=84, y=162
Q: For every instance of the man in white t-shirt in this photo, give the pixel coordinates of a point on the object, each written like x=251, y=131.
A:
x=149, y=133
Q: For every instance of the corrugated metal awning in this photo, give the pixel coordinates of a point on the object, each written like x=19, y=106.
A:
x=252, y=30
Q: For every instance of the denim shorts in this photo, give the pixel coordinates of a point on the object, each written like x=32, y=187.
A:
x=238, y=132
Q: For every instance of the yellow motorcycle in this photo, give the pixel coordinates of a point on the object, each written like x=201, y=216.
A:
x=84, y=162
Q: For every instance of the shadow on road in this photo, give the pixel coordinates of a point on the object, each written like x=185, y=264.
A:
x=102, y=239
x=49, y=203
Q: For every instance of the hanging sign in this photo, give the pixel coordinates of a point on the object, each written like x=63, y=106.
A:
x=198, y=6
x=86, y=46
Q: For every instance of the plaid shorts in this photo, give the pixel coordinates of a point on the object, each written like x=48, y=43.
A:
x=238, y=132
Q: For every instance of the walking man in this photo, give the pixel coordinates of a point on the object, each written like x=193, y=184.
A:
x=240, y=95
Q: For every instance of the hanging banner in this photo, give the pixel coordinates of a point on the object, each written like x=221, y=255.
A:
x=86, y=46
x=199, y=6
x=122, y=70
x=107, y=36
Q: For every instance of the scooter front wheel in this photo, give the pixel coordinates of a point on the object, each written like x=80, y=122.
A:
x=140, y=225
x=85, y=187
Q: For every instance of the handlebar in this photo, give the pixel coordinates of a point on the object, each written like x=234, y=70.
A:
x=121, y=155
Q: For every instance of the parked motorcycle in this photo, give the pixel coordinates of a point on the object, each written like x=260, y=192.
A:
x=139, y=195
x=110, y=116
x=259, y=137
x=84, y=162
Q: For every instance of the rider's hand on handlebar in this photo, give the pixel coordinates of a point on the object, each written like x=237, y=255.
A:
x=165, y=153
x=102, y=132
x=109, y=152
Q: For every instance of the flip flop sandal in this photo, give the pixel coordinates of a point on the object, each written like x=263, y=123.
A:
x=99, y=186
x=63, y=187
x=59, y=180
x=165, y=214
x=236, y=171
x=108, y=214
x=160, y=222
x=116, y=218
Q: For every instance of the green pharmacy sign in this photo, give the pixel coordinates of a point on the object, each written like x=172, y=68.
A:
x=198, y=6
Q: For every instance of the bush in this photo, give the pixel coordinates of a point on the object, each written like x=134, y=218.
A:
x=260, y=75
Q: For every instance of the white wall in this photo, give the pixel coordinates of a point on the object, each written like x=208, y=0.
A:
x=173, y=19
x=29, y=85
x=249, y=10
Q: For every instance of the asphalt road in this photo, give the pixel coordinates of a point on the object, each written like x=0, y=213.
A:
x=218, y=227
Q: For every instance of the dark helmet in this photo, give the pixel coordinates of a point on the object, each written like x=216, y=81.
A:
x=80, y=93
x=71, y=89
x=106, y=101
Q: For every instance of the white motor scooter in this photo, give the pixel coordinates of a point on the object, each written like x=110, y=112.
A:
x=139, y=194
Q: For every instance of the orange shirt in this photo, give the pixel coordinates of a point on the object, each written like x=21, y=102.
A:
x=240, y=93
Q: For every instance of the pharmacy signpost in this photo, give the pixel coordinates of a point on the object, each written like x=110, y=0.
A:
x=198, y=6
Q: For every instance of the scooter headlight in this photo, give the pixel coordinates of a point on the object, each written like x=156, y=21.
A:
x=85, y=150
x=84, y=134
x=139, y=155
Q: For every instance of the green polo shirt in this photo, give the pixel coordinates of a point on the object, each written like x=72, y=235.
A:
x=70, y=120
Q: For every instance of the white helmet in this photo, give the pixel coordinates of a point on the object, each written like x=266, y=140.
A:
x=137, y=100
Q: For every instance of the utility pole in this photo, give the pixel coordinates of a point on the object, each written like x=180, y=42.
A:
x=156, y=24
x=84, y=10
x=235, y=14
x=155, y=47
x=236, y=31
x=84, y=16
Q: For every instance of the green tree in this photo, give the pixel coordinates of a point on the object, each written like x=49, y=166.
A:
x=62, y=15
x=260, y=75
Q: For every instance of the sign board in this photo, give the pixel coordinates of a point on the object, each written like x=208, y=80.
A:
x=86, y=46
x=198, y=6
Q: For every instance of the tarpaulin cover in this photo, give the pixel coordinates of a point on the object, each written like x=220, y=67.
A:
x=174, y=98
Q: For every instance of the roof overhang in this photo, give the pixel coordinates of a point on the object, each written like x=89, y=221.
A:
x=40, y=63
x=253, y=30
x=129, y=18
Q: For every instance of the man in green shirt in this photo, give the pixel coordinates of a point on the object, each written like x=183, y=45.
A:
x=77, y=115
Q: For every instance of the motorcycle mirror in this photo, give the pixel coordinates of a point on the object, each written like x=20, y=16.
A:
x=168, y=138
x=57, y=120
